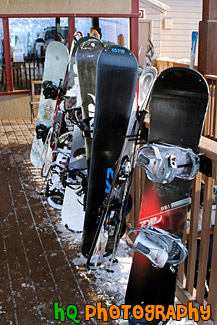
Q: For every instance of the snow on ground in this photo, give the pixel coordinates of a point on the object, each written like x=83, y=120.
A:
x=110, y=285
x=184, y=60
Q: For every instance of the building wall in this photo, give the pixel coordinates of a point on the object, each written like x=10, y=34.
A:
x=14, y=106
x=185, y=15
x=175, y=42
x=66, y=6
x=154, y=16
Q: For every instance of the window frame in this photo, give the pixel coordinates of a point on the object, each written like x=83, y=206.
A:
x=133, y=22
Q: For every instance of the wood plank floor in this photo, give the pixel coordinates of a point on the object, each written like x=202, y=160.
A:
x=36, y=266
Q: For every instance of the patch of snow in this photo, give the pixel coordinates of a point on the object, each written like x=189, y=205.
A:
x=110, y=285
x=184, y=60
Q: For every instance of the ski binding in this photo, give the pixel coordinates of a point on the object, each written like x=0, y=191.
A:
x=158, y=245
x=164, y=162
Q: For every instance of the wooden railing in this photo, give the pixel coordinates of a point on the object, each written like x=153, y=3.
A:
x=210, y=127
x=161, y=65
x=197, y=277
x=23, y=73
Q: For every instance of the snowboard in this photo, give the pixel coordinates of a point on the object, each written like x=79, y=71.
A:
x=115, y=88
x=67, y=117
x=72, y=82
x=55, y=67
x=118, y=203
x=178, y=106
x=73, y=208
x=86, y=59
x=78, y=78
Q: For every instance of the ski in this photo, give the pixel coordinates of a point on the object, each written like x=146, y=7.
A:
x=193, y=49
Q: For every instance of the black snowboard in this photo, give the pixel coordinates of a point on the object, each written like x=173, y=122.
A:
x=178, y=106
x=115, y=89
x=72, y=75
x=86, y=59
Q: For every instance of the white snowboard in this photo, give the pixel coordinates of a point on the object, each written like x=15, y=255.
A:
x=55, y=66
x=73, y=210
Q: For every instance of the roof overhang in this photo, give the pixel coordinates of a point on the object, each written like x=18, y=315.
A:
x=160, y=6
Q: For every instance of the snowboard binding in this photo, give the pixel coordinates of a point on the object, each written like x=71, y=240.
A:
x=158, y=245
x=164, y=162
x=51, y=91
x=42, y=132
x=56, y=182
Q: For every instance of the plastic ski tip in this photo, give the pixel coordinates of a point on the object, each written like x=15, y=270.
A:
x=158, y=245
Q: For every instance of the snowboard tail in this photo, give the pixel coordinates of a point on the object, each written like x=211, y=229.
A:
x=115, y=88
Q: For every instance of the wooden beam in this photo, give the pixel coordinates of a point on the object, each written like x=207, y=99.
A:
x=71, y=22
x=209, y=10
x=207, y=50
x=134, y=29
x=7, y=54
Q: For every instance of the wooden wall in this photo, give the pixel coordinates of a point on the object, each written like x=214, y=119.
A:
x=14, y=106
x=154, y=16
x=185, y=15
x=174, y=43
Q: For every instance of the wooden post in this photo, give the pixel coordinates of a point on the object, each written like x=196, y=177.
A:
x=207, y=50
x=7, y=54
x=134, y=29
x=71, y=22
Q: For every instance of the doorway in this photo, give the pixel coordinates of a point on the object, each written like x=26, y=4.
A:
x=144, y=35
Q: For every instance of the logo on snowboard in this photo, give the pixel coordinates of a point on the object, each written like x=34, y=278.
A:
x=47, y=112
x=110, y=174
x=121, y=51
x=151, y=221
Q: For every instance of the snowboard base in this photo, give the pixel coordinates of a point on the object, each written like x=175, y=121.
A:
x=73, y=210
